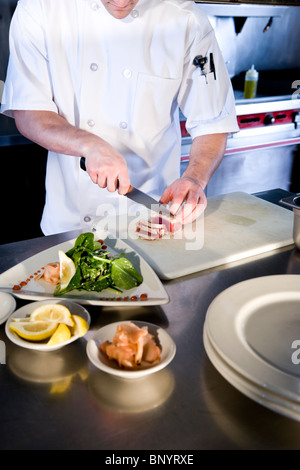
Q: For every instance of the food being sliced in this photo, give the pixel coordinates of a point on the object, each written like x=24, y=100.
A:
x=150, y=231
x=157, y=227
x=131, y=346
x=171, y=224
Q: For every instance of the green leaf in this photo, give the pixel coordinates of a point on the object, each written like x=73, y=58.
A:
x=75, y=283
x=97, y=246
x=124, y=275
x=103, y=282
x=85, y=240
x=97, y=269
x=82, y=242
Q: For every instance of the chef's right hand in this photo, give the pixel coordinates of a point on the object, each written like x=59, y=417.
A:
x=107, y=168
x=104, y=164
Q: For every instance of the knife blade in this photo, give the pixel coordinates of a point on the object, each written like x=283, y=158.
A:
x=140, y=197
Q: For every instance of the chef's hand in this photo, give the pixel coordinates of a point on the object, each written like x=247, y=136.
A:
x=187, y=199
x=107, y=168
x=104, y=164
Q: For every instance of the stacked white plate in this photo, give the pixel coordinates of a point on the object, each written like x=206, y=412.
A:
x=252, y=337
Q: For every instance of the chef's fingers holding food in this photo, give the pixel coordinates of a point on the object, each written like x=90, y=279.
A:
x=187, y=199
x=107, y=168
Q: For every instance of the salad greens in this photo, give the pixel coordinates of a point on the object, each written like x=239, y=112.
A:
x=97, y=269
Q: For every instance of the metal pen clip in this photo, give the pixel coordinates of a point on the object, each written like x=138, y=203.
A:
x=201, y=61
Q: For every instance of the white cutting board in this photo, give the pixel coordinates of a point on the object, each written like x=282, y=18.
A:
x=234, y=226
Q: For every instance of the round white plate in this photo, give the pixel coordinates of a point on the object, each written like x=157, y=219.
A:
x=7, y=306
x=167, y=345
x=259, y=394
x=27, y=309
x=255, y=326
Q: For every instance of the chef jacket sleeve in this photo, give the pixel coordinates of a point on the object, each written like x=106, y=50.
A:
x=27, y=84
x=207, y=101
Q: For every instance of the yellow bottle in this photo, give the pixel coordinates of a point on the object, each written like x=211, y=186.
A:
x=251, y=79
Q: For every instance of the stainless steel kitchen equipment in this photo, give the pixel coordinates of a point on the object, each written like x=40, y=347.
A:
x=262, y=154
x=294, y=203
x=61, y=401
x=265, y=153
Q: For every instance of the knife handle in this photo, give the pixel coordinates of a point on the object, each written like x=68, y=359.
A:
x=82, y=164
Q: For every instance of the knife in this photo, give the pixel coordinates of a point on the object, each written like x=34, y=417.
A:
x=141, y=198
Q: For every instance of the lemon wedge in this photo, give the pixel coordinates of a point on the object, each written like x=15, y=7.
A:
x=61, y=334
x=67, y=269
x=33, y=331
x=52, y=312
x=22, y=319
x=80, y=327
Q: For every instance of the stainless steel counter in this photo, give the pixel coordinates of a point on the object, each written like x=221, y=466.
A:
x=60, y=400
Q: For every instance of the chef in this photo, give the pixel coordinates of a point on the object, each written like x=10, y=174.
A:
x=104, y=80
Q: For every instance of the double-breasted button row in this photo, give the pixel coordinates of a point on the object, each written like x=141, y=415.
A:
x=122, y=124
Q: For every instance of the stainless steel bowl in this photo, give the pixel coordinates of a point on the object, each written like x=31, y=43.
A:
x=294, y=203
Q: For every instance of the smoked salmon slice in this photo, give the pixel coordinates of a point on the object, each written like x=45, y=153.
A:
x=50, y=274
x=131, y=346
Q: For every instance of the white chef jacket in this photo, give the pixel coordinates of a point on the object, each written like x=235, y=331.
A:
x=123, y=80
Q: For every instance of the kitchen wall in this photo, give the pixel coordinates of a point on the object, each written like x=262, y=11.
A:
x=246, y=43
x=268, y=38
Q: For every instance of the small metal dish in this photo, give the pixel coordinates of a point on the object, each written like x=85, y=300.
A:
x=294, y=203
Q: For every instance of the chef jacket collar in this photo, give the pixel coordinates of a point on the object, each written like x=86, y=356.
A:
x=138, y=10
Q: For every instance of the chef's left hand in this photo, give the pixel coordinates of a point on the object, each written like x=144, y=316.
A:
x=187, y=199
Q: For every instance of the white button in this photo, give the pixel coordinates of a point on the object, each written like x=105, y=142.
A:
x=123, y=125
x=94, y=6
x=134, y=13
x=94, y=67
x=87, y=218
x=91, y=123
x=127, y=73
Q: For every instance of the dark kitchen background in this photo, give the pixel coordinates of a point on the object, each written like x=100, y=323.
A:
x=23, y=164
x=263, y=156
